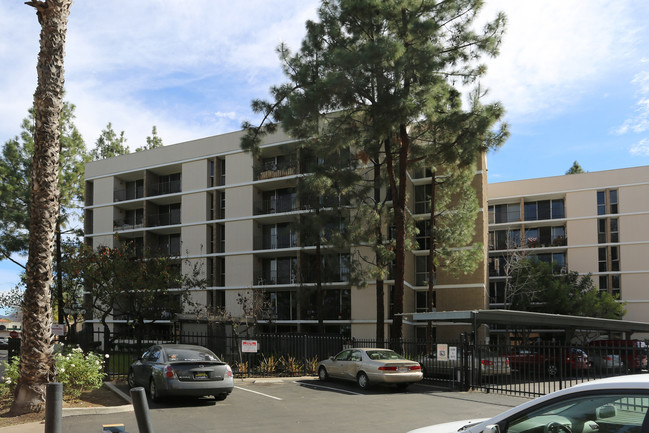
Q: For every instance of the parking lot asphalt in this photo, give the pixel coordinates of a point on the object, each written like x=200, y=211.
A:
x=297, y=405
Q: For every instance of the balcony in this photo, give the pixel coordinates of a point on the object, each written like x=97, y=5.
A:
x=272, y=170
x=275, y=242
x=162, y=188
x=164, y=219
x=128, y=194
x=277, y=204
x=127, y=225
x=272, y=278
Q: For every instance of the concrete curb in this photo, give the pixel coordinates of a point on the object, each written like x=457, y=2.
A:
x=73, y=411
x=273, y=379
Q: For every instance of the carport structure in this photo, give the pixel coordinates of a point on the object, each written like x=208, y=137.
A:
x=516, y=320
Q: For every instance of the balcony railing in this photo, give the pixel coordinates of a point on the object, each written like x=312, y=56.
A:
x=165, y=188
x=275, y=242
x=274, y=170
x=127, y=225
x=277, y=205
x=128, y=194
x=273, y=278
x=164, y=219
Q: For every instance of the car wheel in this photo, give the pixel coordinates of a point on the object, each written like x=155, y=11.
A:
x=552, y=370
x=131, y=379
x=322, y=374
x=153, y=391
x=220, y=397
x=363, y=380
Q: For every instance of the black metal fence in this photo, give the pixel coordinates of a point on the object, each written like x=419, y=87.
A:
x=525, y=370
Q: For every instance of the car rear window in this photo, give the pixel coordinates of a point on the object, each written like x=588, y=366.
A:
x=190, y=355
x=383, y=354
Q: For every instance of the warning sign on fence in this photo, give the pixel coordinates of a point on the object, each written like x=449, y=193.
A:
x=249, y=346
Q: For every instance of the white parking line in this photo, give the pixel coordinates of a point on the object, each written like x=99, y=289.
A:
x=260, y=393
x=329, y=388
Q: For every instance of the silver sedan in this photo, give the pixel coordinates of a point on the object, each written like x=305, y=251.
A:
x=368, y=366
x=181, y=370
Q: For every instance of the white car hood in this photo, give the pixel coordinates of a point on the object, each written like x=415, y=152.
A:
x=449, y=427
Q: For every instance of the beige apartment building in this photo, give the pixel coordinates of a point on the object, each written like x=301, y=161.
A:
x=208, y=201
x=589, y=223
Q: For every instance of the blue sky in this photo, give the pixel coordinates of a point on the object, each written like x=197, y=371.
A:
x=573, y=75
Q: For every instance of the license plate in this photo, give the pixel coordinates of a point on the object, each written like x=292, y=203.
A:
x=200, y=375
x=403, y=369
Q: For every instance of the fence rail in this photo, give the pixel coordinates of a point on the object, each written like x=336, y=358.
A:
x=530, y=370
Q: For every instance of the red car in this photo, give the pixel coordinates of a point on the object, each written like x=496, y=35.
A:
x=549, y=360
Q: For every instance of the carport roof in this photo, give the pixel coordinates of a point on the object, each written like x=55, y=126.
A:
x=529, y=319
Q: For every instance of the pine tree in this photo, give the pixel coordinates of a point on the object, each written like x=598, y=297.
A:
x=16, y=173
x=109, y=144
x=382, y=77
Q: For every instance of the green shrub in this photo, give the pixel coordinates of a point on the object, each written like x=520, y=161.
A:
x=79, y=372
x=76, y=371
x=8, y=382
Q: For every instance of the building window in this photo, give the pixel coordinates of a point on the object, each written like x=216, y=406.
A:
x=530, y=211
x=423, y=234
x=601, y=259
x=601, y=230
x=507, y=213
x=422, y=199
x=532, y=238
x=497, y=292
x=615, y=235
x=421, y=301
x=603, y=283
x=615, y=286
x=612, y=201
x=601, y=203
x=544, y=210
x=615, y=259
x=558, y=236
x=421, y=271
x=558, y=210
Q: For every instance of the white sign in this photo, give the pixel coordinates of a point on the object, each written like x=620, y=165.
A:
x=58, y=329
x=442, y=352
x=249, y=346
x=452, y=353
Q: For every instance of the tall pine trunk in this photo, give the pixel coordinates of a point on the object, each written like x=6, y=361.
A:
x=36, y=354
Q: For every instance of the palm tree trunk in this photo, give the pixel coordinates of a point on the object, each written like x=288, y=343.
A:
x=36, y=355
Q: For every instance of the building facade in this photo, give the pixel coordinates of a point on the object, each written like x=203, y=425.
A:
x=589, y=223
x=231, y=213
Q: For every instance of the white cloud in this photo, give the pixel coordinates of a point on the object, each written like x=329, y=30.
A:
x=641, y=148
x=172, y=64
x=639, y=120
x=555, y=52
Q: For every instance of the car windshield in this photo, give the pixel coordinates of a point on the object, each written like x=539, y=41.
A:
x=190, y=355
x=383, y=354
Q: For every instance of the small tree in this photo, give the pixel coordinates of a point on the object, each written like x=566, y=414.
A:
x=109, y=144
x=152, y=141
x=575, y=169
x=124, y=282
x=542, y=290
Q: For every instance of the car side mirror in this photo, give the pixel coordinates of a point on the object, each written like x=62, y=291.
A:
x=491, y=428
x=607, y=411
